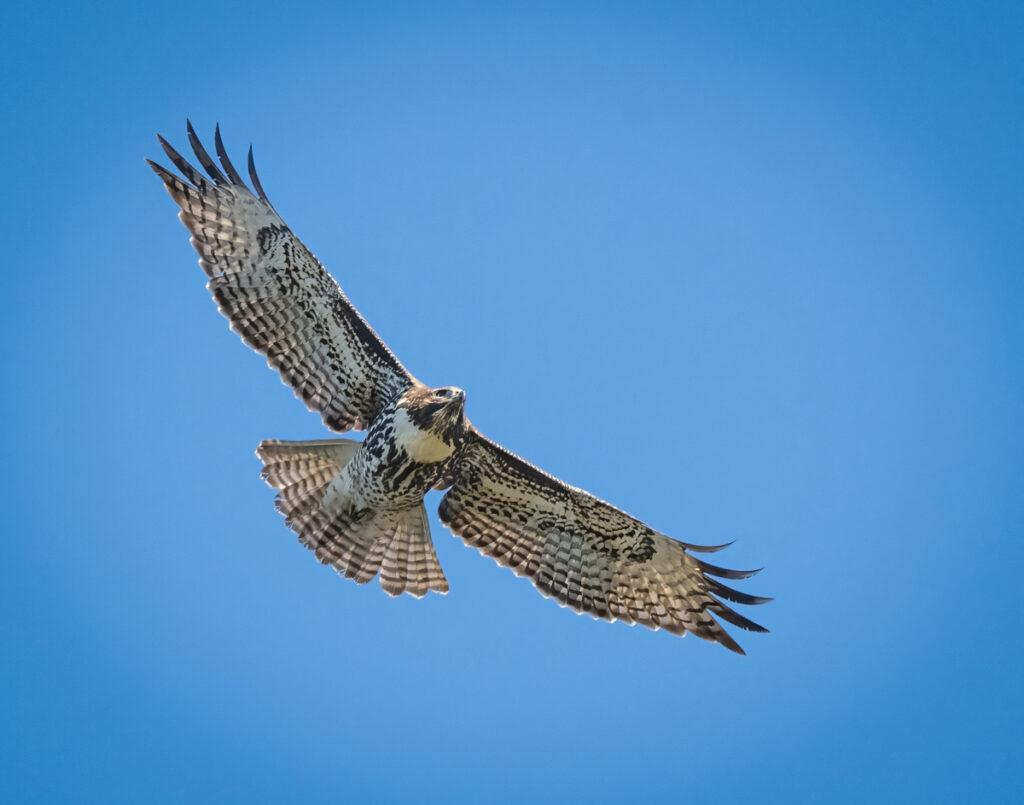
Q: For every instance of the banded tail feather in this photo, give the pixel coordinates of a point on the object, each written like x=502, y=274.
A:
x=361, y=545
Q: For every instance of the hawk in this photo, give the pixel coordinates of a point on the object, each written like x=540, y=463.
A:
x=358, y=505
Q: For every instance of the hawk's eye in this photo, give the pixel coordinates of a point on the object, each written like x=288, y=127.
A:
x=444, y=393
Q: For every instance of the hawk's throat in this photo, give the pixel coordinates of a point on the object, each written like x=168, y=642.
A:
x=420, y=445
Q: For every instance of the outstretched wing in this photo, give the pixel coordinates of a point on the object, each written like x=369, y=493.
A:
x=278, y=296
x=583, y=552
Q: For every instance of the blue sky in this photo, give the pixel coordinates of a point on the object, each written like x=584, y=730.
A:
x=749, y=273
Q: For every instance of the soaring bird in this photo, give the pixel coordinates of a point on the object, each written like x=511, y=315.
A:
x=358, y=505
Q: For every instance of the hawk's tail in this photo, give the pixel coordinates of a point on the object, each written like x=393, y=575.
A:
x=359, y=545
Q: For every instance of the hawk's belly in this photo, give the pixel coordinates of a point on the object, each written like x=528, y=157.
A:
x=396, y=465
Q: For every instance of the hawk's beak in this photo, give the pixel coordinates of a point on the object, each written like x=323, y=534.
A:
x=457, y=401
x=454, y=407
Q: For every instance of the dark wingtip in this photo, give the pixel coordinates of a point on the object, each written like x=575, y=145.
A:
x=165, y=175
x=724, y=572
x=204, y=158
x=190, y=130
x=716, y=607
x=736, y=596
x=708, y=548
x=174, y=184
x=222, y=153
x=256, y=179
x=190, y=173
x=726, y=640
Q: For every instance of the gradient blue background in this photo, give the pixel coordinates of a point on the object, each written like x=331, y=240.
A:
x=749, y=273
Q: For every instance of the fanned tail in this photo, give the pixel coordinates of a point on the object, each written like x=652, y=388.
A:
x=358, y=544
x=409, y=564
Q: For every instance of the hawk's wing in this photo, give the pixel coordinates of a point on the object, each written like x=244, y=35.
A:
x=277, y=295
x=583, y=552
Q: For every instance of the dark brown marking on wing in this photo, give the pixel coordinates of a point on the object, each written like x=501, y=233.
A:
x=582, y=551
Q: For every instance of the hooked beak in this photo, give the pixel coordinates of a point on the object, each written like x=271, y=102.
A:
x=451, y=408
x=457, y=401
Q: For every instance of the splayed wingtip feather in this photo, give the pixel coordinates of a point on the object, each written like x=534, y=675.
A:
x=204, y=157
x=256, y=179
x=222, y=153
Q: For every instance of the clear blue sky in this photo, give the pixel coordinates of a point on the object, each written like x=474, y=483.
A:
x=749, y=273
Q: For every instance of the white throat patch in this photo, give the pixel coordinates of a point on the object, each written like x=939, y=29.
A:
x=421, y=445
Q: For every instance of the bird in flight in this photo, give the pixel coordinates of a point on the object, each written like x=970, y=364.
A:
x=359, y=504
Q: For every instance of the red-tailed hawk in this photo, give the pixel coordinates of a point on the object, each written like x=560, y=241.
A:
x=359, y=505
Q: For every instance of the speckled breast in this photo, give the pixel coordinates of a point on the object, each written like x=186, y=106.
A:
x=386, y=472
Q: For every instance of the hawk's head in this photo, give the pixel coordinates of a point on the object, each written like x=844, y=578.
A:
x=431, y=422
x=440, y=411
